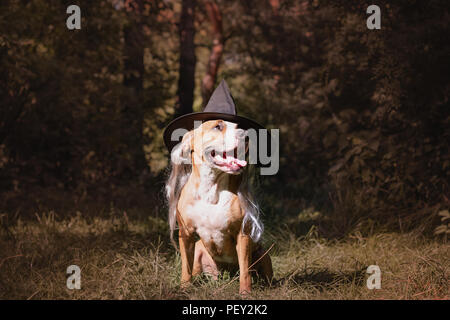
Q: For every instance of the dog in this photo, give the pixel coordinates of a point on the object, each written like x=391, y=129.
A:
x=208, y=195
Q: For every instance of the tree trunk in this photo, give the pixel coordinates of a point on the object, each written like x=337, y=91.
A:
x=186, y=81
x=134, y=70
x=275, y=4
x=215, y=56
x=134, y=47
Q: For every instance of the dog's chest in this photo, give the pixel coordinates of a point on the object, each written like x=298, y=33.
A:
x=211, y=220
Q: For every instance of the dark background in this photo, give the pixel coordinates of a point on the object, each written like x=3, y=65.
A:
x=363, y=114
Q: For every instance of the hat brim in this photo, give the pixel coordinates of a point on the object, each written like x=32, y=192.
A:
x=187, y=122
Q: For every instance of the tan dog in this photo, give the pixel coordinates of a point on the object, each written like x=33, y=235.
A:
x=209, y=196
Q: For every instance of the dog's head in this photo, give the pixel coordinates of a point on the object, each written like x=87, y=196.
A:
x=218, y=144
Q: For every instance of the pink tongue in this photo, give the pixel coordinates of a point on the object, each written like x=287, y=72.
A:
x=240, y=163
x=230, y=161
x=233, y=162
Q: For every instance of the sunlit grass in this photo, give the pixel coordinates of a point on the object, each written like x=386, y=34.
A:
x=129, y=257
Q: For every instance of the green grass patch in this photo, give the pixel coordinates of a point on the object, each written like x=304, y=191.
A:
x=130, y=257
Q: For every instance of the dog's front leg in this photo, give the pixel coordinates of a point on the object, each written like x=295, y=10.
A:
x=187, y=249
x=244, y=251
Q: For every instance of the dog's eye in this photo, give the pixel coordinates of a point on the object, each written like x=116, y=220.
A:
x=219, y=126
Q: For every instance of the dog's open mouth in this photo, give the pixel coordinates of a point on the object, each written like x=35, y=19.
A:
x=227, y=159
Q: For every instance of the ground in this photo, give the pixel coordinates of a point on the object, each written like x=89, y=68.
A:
x=127, y=256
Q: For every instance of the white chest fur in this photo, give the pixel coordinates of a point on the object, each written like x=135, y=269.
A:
x=211, y=219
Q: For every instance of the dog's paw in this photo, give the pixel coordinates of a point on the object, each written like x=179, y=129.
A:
x=186, y=284
x=245, y=291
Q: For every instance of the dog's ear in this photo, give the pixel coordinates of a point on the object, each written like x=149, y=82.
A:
x=181, y=153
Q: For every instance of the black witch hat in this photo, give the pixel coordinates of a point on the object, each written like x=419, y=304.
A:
x=220, y=106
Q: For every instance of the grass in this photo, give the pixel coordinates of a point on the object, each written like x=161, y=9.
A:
x=127, y=256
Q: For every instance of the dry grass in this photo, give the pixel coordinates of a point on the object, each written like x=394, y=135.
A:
x=130, y=258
